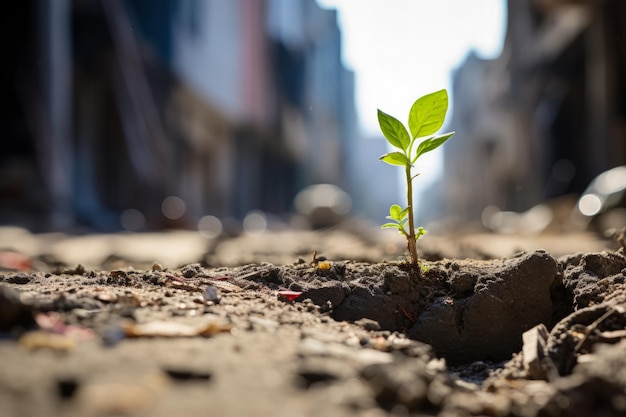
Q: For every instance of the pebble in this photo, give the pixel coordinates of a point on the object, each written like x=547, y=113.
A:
x=19, y=279
x=106, y=297
x=368, y=324
x=212, y=295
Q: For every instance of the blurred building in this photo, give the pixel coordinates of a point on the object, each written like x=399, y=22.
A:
x=546, y=116
x=117, y=104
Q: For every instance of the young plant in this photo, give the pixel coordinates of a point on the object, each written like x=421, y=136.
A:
x=425, y=119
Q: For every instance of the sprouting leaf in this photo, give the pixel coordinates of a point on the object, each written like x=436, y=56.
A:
x=395, y=158
x=431, y=144
x=394, y=130
x=395, y=211
x=428, y=114
x=425, y=119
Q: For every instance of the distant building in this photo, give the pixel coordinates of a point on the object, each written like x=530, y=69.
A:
x=230, y=105
x=546, y=116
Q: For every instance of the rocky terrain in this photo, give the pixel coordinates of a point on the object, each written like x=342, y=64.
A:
x=313, y=323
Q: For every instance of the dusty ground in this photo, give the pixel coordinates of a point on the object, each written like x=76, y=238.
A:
x=171, y=324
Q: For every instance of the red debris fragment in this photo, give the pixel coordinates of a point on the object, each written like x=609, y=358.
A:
x=15, y=261
x=221, y=278
x=53, y=323
x=290, y=295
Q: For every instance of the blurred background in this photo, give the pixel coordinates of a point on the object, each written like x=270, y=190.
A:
x=218, y=116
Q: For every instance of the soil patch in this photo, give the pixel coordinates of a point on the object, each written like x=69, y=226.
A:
x=319, y=338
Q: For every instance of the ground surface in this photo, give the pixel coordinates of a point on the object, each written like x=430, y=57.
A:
x=170, y=324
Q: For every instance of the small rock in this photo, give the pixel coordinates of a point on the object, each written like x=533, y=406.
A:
x=534, y=351
x=78, y=270
x=18, y=279
x=368, y=324
x=338, y=269
x=107, y=297
x=113, y=335
x=212, y=295
x=191, y=270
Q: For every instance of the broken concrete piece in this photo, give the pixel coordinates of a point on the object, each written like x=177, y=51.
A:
x=534, y=351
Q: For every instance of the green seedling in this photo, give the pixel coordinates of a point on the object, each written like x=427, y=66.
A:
x=425, y=119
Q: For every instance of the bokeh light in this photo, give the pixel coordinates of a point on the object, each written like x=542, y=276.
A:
x=173, y=207
x=132, y=220
x=590, y=204
x=255, y=222
x=210, y=227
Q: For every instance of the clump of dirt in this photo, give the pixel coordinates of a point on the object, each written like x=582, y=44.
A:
x=467, y=310
x=488, y=308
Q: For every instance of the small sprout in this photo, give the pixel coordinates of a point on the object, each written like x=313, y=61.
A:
x=425, y=119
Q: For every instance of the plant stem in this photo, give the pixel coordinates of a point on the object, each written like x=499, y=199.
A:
x=412, y=242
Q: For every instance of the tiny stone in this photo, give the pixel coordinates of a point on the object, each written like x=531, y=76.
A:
x=368, y=324
x=18, y=279
x=107, y=297
x=191, y=270
x=212, y=294
x=118, y=273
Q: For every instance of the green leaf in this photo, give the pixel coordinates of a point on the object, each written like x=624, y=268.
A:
x=431, y=144
x=395, y=158
x=391, y=226
x=394, y=130
x=428, y=113
x=419, y=232
x=395, y=211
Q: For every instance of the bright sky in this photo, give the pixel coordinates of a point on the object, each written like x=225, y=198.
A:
x=403, y=49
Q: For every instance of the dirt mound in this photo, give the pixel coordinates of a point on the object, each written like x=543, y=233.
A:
x=489, y=307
